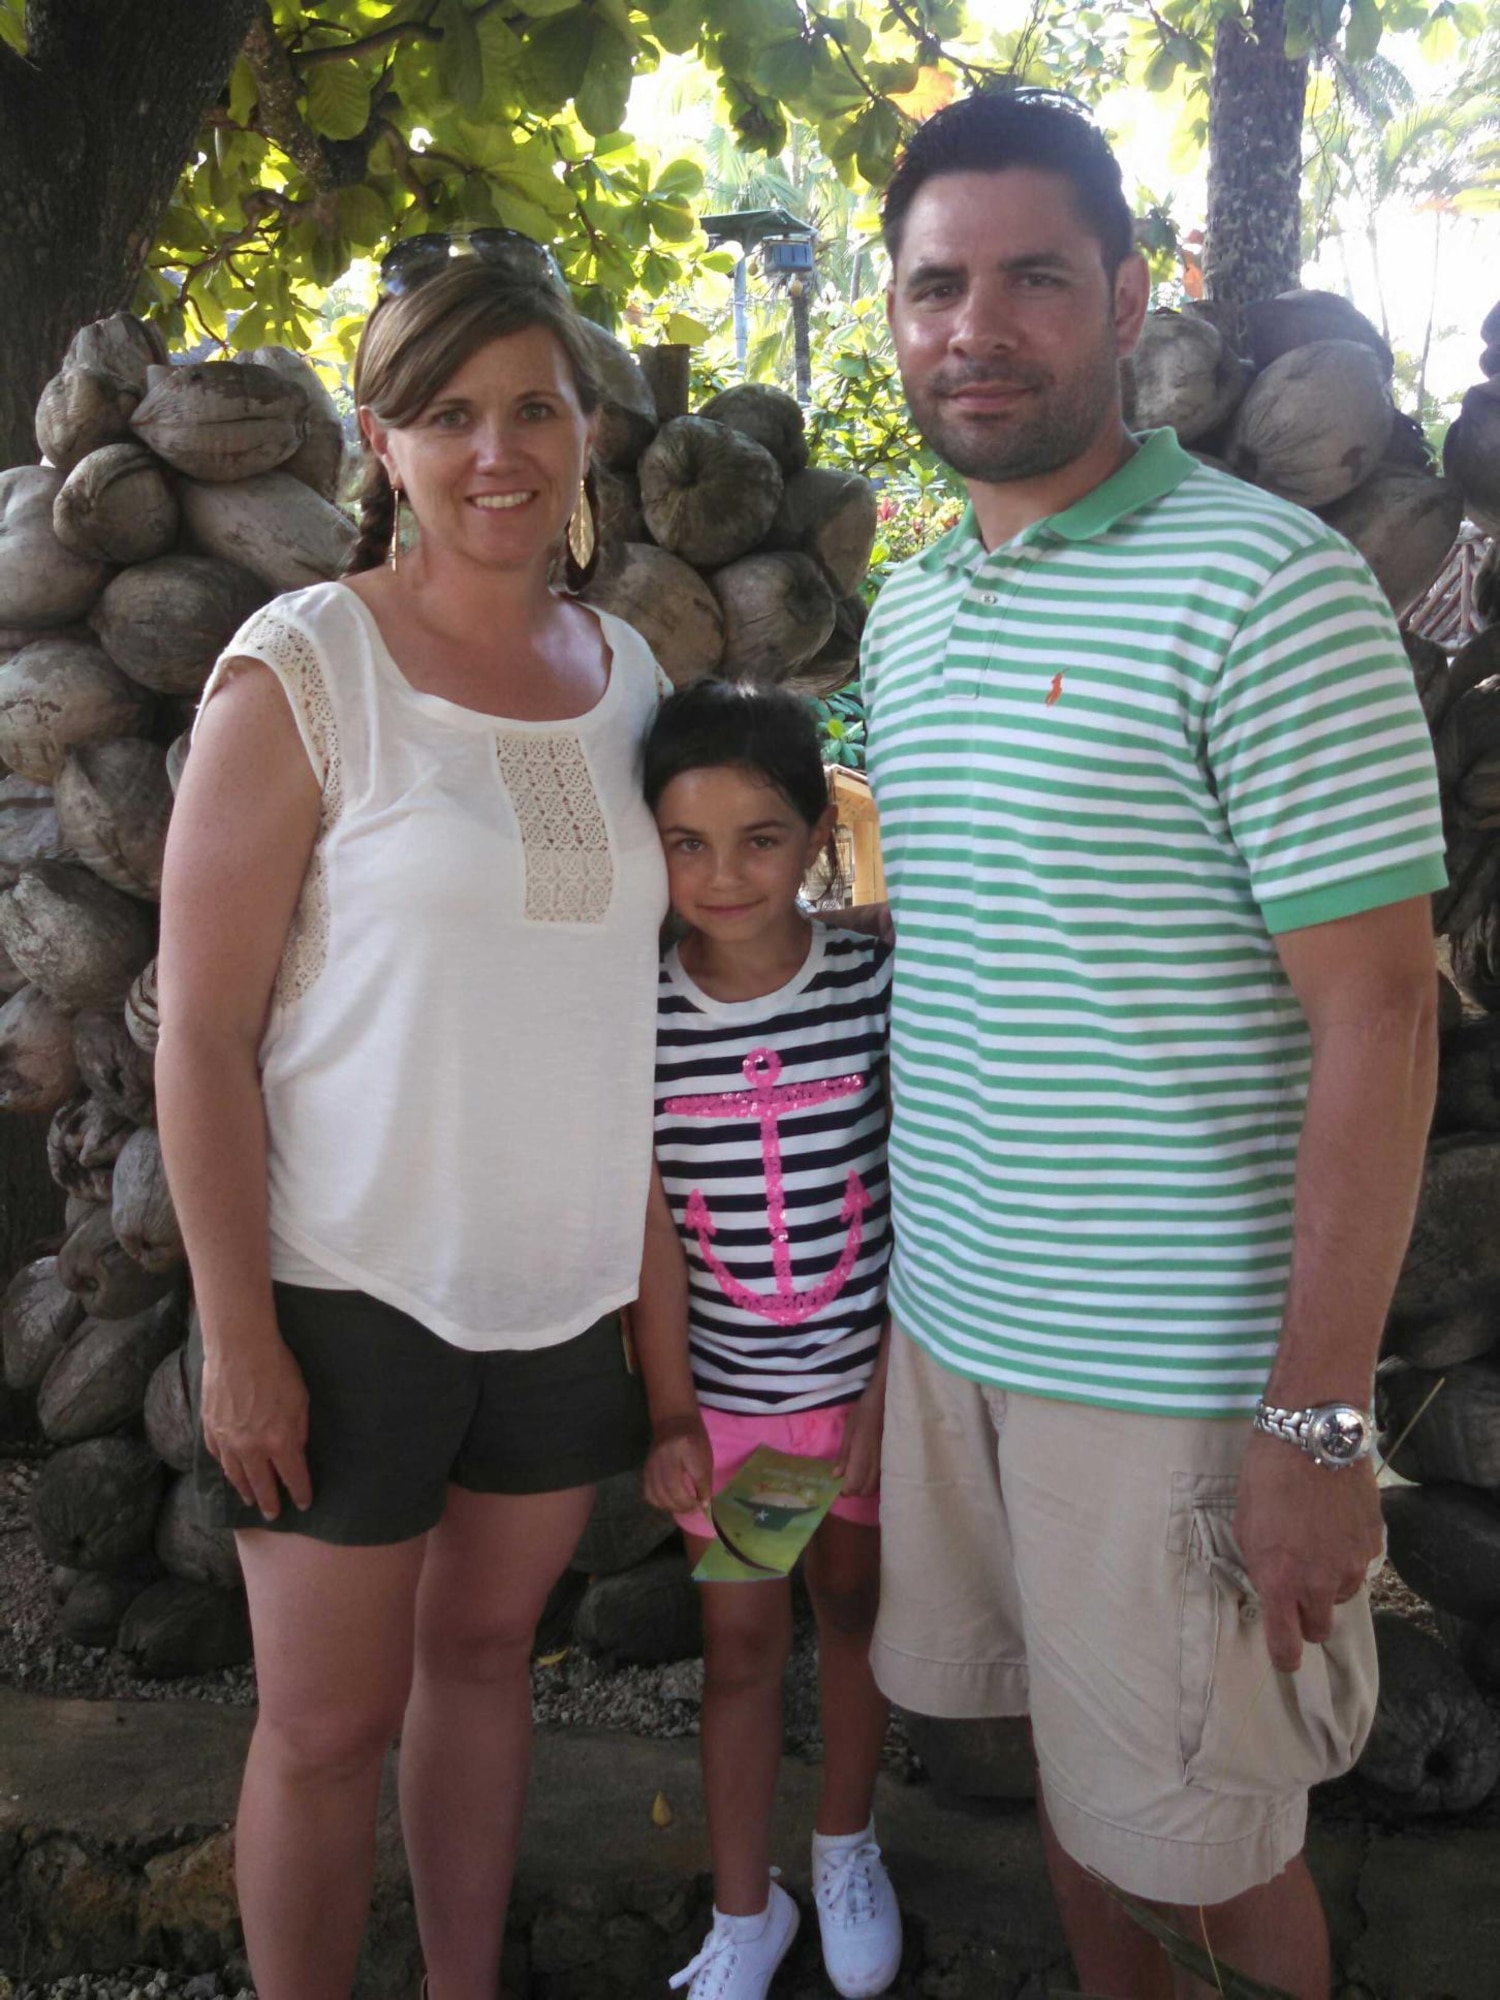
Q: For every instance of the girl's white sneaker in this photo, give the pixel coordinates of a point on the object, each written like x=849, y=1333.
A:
x=735, y=1966
x=857, y=1915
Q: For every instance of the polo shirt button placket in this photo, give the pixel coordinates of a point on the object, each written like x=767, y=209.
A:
x=962, y=680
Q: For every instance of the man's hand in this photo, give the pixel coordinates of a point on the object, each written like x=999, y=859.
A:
x=1308, y=1534
x=680, y=1470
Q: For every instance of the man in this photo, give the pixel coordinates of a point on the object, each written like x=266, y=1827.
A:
x=1160, y=823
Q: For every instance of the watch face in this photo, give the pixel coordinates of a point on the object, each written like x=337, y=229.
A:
x=1339, y=1435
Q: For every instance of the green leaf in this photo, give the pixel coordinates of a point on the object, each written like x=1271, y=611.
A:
x=672, y=221
x=678, y=26
x=680, y=179
x=363, y=217
x=460, y=59
x=784, y=70
x=338, y=100
x=13, y=26
x=601, y=102
x=1362, y=31
x=516, y=212
x=879, y=136
x=555, y=60
x=244, y=92
x=686, y=330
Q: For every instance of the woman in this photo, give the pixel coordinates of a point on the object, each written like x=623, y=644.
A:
x=408, y=975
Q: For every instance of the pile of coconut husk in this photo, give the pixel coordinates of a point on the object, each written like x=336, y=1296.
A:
x=1308, y=413
x=722, y=544
x=174, y=500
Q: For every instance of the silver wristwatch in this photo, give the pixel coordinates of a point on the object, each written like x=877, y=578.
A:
x=1332, y=1434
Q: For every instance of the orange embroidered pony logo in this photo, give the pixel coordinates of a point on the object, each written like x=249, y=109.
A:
x=1054, y=693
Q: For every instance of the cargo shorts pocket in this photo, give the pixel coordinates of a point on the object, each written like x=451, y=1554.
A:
x=1243, y=1728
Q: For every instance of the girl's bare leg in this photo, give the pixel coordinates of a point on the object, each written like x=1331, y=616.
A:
x=842, y=1566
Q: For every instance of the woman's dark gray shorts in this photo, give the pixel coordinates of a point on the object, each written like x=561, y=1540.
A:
x=397, y=1415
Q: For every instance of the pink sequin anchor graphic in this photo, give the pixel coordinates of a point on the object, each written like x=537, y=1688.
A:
x=769, y=1102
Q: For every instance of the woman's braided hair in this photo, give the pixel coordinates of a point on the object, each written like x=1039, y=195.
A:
x=414, y=343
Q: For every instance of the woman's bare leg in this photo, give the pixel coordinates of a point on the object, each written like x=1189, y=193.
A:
x=466, y=1740
x=333, y=1640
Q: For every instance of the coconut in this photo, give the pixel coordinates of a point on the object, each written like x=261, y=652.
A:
x=618, y=516
x=28, y=827
x=83, y=1143
x=112, y=1067
x=81, y=409
x=709, y=493
x=75, y=937
x=1471, y=455
x=667, y=602
x=122, y=346
x=142, y=1021
x=319, y=460
x=178, y=1627
x=99, y=1380
x=113, y=804
x=1408, y=445
x=1404, y=524
x=830, y=516
x=56, y=693
x=91, y=1612
x=165, y=623
x=42, y=583
x=222, y=420
x=95, y=1503
x=177, y=756
x=770, y=416
x=1314, y=424
x=1185, y=376
x=778, y=613
x=1298, y=319
x=39, y=1317
x=273, y=526
x=94, y=1266
x=168, y=1413
x=835, y=664
x=188, y=1543
x=38, y=1068
x=117, y=505
x=627, y=419
x=141, y=1211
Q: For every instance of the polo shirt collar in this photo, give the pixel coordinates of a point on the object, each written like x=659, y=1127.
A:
x=1156, y=468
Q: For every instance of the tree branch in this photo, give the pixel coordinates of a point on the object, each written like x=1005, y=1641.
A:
x=383, y=38
x=280, y=117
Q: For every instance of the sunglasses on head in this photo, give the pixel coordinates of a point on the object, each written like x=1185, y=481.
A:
x=416, y=258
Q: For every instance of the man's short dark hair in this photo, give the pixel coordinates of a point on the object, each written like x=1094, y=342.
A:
x=996, y=129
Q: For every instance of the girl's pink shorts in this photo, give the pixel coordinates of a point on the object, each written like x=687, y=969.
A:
x=808, y=1434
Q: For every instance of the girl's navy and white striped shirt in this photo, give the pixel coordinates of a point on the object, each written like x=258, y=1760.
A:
x=770, y=1137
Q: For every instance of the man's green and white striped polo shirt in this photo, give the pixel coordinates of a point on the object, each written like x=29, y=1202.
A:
x=1112, y=759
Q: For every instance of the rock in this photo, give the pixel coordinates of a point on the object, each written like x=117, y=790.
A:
x=645, y=1616
x=188, y=1907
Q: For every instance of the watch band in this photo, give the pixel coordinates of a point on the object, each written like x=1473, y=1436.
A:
x=1335, y=1435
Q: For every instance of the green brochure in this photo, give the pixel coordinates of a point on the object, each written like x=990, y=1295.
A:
x=766, y=1516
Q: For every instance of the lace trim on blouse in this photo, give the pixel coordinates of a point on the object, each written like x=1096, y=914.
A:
x=564, y=839
x=295, y=660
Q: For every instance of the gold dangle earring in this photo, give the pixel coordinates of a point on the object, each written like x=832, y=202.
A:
x=395, y=555
x=581, y=535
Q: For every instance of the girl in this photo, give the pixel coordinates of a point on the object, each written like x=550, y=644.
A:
x=770, y=1141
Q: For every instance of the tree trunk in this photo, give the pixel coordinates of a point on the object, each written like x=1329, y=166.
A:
x=110, y=96
x=1254, y=235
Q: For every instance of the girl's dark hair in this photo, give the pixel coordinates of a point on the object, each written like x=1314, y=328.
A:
x=412, y=344
x=998, y=128
x=752, y=725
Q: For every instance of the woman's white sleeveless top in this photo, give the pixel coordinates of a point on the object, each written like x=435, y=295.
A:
x=457, y=1067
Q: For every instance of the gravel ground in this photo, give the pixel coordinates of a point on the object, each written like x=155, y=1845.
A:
x=141, y=1983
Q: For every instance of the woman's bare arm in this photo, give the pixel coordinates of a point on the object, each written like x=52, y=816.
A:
x=242, y=833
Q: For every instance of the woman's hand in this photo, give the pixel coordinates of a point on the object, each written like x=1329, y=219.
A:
x=680, y=1470
x=255, y=1424
x=858, y=1462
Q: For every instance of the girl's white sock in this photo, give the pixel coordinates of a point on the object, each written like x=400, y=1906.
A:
x=826, y=1845
x=744, y=1930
